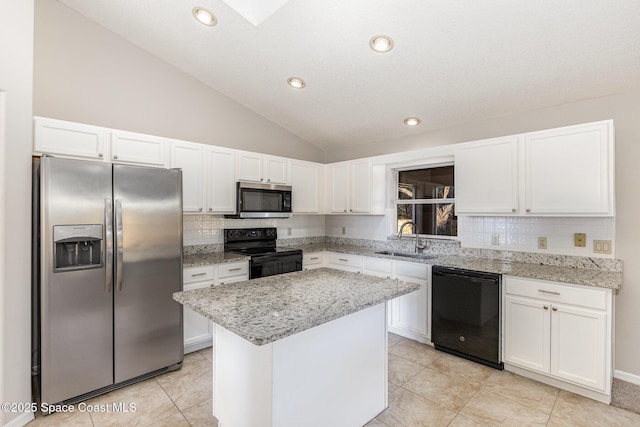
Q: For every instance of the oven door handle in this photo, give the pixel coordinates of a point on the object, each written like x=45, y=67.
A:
x=261, y=259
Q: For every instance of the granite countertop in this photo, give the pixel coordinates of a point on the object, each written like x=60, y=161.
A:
x=212, y=258
x=580, y=276
x=270, y=308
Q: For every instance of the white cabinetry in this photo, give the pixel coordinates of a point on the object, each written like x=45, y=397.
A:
x=566, y=171
x=69, y=139
x=355, y=187
x=198, y=332
x=306, y=183
x=312, y=260
x=190, y=158
x=486, y=177
x=255, y=167
x=220, y=174
x=137, y=148
x=563, y=332
x=345, y=262
x=408, y=315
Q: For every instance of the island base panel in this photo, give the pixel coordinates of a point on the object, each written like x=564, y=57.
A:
x=333, y=374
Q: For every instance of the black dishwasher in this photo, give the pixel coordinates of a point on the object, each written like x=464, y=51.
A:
x=465, y=314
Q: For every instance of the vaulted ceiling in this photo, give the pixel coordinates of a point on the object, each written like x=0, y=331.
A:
x=453, y=61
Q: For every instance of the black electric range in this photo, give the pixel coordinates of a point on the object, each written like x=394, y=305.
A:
x=260, y=244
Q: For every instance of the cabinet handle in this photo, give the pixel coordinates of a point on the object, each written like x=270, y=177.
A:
x=235, y=269
x=342, y=259
x=345, y=210
x=269, y=180
x=100, y=154
x=528, y=210
x=200, y=210
x=210, y=209
x=115, y=156
x=314, y=258
x=554, y=308
x=548, y=292
x=261, y=179
x=513, y=210
x=350, y=210
x=546, y=307
x=198, y=274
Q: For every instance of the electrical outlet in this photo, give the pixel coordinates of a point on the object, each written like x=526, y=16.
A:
x=579, y=240
x=495, y=239
x=602, y=246
x=344, y=230
x=288, y=231
x=542, y=243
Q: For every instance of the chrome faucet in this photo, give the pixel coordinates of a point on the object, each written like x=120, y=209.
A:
x=420, y=244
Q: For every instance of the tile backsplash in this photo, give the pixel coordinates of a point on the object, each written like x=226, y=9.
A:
x=208, y=229
x=521, y=234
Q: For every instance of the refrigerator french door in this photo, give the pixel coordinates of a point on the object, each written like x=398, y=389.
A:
x=110, y=259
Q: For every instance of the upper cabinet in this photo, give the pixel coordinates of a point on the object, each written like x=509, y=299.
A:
x=559, y=172
x=220, y=171
x=137, y=148
x=255, y=167
x=306, y=183
x=69, y=139
x=355, y=187
x=190, y=158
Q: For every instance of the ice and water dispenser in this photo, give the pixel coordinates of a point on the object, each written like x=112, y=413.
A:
x=77, y=247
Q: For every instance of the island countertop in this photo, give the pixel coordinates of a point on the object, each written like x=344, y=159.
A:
x=270, y=308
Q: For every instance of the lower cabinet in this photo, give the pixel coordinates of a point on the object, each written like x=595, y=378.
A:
x=563, y=332
x=198, y=331
x=345, y=262
x=312, y=260
x=409, y=315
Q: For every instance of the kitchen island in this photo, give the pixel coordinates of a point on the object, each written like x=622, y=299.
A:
x=305, y=348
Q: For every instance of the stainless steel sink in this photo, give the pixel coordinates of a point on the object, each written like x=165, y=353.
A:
x=406, y=255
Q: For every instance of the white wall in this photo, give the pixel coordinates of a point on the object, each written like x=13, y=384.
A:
x=85, y=73
x=16, y=51
x=624, y=109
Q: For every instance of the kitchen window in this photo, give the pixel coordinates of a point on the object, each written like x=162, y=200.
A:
x=426, y=197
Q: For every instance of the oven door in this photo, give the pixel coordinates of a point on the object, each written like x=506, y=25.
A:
x=269, y=265
x=264, y=200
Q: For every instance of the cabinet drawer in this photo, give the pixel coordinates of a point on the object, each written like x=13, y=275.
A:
x=378, y=267
x=233, y=269
x=557, y=292
x=197, y=274
x=345, y=260
x=312, y=258
x=411, y=270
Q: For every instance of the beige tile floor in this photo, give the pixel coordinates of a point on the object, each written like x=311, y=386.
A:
x=426, y=388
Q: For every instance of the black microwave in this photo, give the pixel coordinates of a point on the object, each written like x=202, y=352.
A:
x=254, y=200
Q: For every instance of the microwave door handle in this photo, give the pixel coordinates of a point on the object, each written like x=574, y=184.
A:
x=119, y=245
x=108, y=224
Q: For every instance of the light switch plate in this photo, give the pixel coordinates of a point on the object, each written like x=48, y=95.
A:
x=344, y=230
x=602, y=246
x=495, y=239
x=579, y=240
x=542, y=243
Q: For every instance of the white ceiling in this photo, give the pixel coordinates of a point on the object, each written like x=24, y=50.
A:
x=454, y=61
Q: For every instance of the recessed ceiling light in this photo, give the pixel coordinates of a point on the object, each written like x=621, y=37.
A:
x=204, y=17
x=381, y=44
x=412, y=121
x=296, y=82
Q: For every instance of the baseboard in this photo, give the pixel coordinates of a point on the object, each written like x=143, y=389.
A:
x=411, y=335
x=21, y=420
x=190, y=348
x=625, y=376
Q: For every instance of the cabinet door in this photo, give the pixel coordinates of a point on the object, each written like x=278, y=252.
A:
x=137, y=148
x=197, y=328
x=486, y=177
x=305, y=183
x=71, y=139
x=410, y=313
x=339, y=187
x=311, y=261
x=274, y=169
x=221, y=180
x=378, y=267
x=189, y=157
x=360, y=186
x=249, y=166
x=578, y=345
x=570, y=170
x=527, y=333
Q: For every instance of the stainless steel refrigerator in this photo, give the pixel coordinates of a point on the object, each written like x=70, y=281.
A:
x=108, y=256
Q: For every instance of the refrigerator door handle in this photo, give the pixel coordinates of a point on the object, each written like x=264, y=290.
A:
x=108, y=223
x=119, y=245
